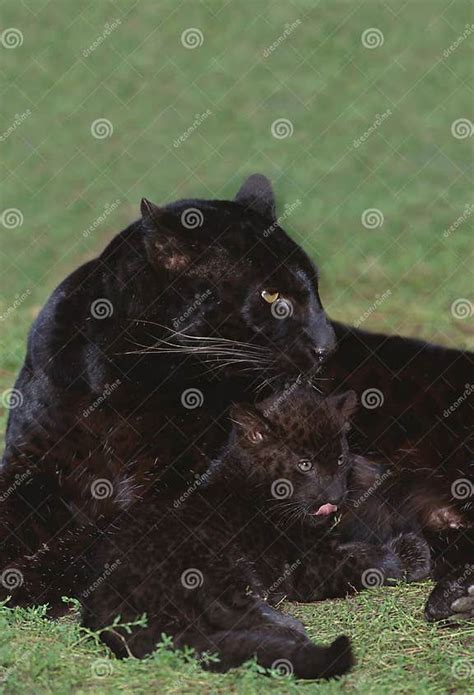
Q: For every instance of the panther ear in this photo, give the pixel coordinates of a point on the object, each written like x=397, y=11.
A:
x=165, y=241
x=249, y=422
x=256, y=193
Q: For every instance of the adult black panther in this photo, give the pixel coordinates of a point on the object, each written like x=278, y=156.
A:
x=199, y=303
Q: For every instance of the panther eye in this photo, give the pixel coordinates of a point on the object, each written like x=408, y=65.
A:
x=269, y=297
x=340, y=460
x=305, y=465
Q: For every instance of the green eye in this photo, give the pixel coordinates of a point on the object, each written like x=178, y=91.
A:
x=269, y=297
x=305, y=465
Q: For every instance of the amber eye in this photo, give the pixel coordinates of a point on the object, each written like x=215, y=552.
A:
x=269, y=297
x=305, y=465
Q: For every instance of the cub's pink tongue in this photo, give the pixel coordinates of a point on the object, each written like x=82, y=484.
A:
x=326, y=509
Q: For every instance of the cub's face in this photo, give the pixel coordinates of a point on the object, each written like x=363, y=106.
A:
x=295, y=450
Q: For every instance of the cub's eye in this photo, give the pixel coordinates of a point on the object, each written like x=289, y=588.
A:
x=305, y=465
x=269, y=297
x=340, y=460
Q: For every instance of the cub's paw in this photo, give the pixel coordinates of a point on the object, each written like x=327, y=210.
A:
x=414, y=555
x=452, y=599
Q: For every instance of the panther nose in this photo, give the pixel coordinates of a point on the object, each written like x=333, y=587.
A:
x=320, y=353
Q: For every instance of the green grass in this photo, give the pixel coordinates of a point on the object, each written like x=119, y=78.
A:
x=322, y=79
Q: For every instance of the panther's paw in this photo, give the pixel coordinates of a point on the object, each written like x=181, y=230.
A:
x=452, y=599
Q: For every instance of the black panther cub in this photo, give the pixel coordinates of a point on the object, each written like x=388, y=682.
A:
x=207, y=568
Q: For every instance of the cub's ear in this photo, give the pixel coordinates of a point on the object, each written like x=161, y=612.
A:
x=256, y=193
x=165, y=239
x=249, y=422
x=345, y=404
